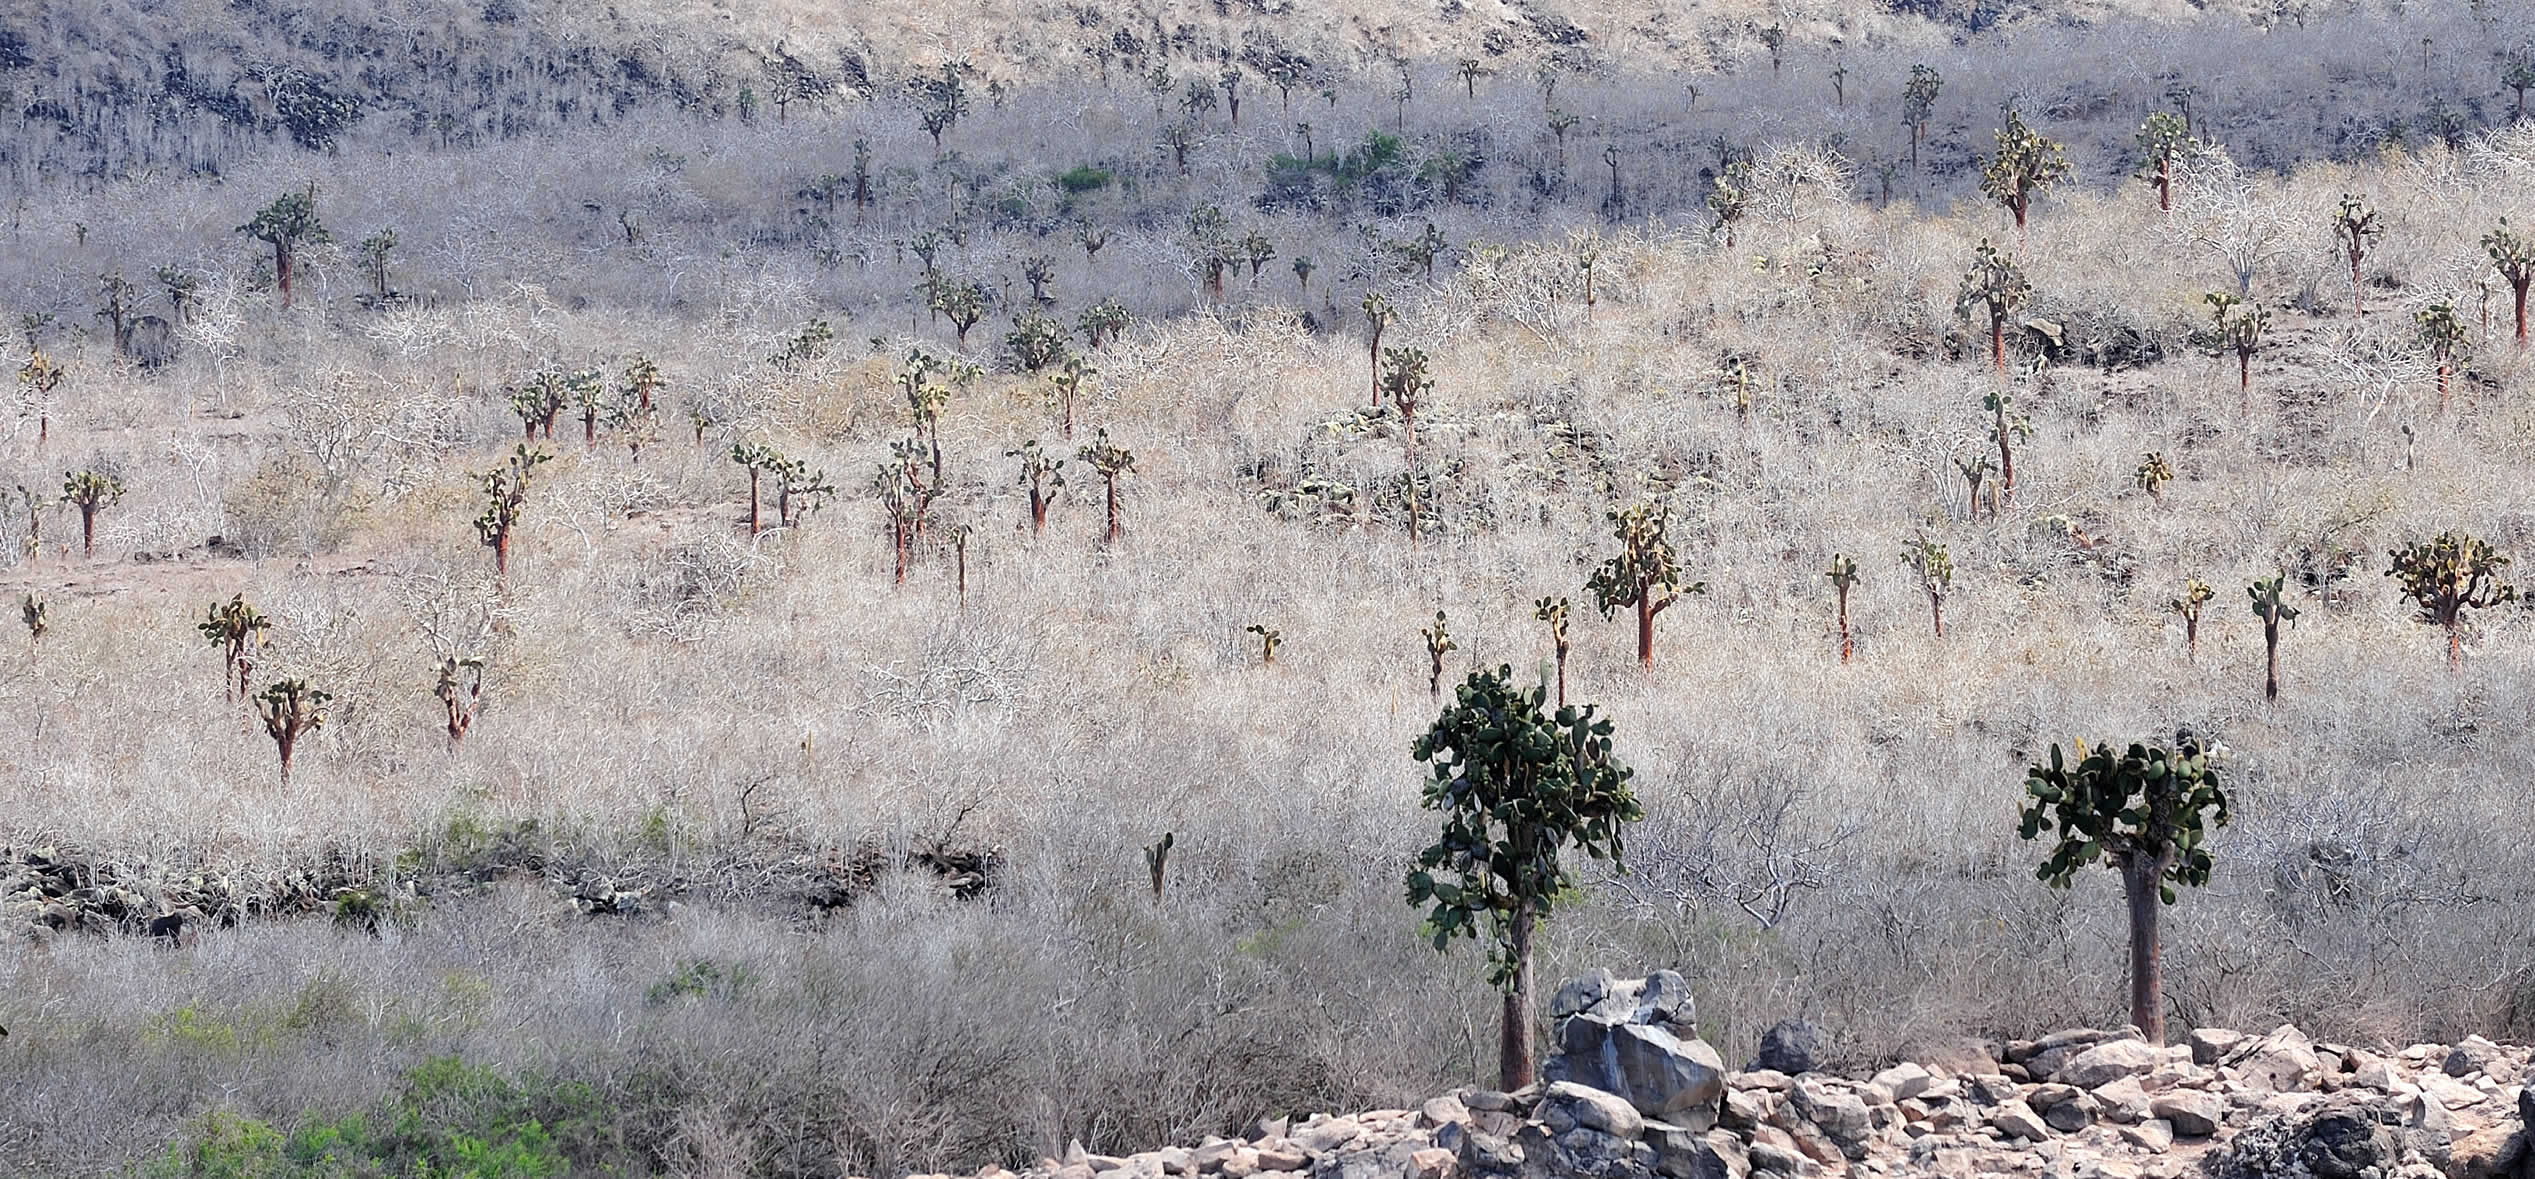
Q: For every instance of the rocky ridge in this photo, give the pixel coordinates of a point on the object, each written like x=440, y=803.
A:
x=1630, y=1092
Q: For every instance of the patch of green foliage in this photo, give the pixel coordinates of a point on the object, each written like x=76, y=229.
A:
x=1084, y=178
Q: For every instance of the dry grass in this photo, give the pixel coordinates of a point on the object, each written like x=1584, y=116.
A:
x=668, y=696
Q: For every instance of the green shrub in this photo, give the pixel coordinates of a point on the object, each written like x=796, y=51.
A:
x=1085, y=178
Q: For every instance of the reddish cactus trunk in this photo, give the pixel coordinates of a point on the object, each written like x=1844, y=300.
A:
x=87, y=530
x=1514, y=1030
x=2142, y=877
x=1846, y=646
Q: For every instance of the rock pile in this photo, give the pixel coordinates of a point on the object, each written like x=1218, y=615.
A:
x=1630, y=1092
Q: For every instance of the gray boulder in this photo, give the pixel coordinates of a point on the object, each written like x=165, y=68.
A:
x=1790, y=1046
x=1632, y=1038
x=2341, y=1139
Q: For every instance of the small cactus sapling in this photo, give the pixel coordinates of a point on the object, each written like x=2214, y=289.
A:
x=799, y=491
x=1843, y=575
x=1976, y=469
x=1157, y=860
x=2443, y=336
x=2356, y=227
x=2240, y=326
x=91, y=492
x=1406, y=379
x=1303, y=267
x=2513, y=255
x=286, y=224
x=505, y=501
x=1042, y=476
x=1516, y=783
x=2163, y=139
x=2006, y=426
x=1036, y=342
x=756, y=458
x=38, y=379
x=1438, y=642
x=2025, y=163
x=2148, y=811
x=1270, y=639
x=290, y=710
x=2270, y=606
x=905, y=497
x=1934, y=567
x=1067, y=384
x=959, y=555
x=1995, y=286
x=234, y=629
x=1110, y=461
x=941, y=101
x=1258, y=251
x=2447, y=575
x=1918, y=104
x=37, y=615
x=2196, y=593
x=1377, y=317
x=2153, y=474
x=460, y=689
x=925, y=398
x=31, y=545
x=1091, y=238
x=1554, y=612
x=1644, y=575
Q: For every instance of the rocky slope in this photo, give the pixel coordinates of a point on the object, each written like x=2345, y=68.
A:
x=1630, y=1093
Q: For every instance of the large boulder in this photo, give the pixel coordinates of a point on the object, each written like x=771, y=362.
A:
x=2281, y=1062
x=1628, y=1037
x=1790, y=1046
x=2109, y=1061
x=2337, y=1139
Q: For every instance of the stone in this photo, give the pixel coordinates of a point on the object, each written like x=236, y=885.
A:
x=1328, y=1136
x=2123, y=1100
x=2374, y=1072
x=2194, y=1113
x=2492, y=1152
x=2069, y=1117
x=1488, y=1101
x=1957, y=1056
x=1905, y=1080
x=2155, y=1135
x=2015, y=1119
x=1652, y=1069
x=1774, y=1159
x=1211, y=1156
x=1174, y=1160
x=1360, y=1164
x=2211, y=1045
x=1841, y=1115
x=1443, y=1111
x=1283, y=1156
x=2474, y=1055
x=1567, y=1105
x=1745, y=1108
x=1584, y=1151
x=1242, y=1163
x=1764, y=1079
x=2526, y=1102
x=2452, y=1093
x=2281, y=1062
x=2106, y=1062
x=1482, y=1153
x=1660, y=999
x=1790, y=1046
x=2342, y=1138
x=1433, y=1163
x=2045, y=1096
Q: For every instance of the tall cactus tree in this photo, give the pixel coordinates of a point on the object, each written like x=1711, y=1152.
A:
x=2447, y=575
x=290, y=710
x=1918, y=104
x=1067, y=383
x=2025, y=163
x=1644, y=575
x=40, y=378
x=1406, y=379
x=2271, y=606
x=1438, y=642
x=1110, y=461
x=2148, y=812
x=1042, y=476
x=2240, y=326
x=1554, y=612
x=905, y=498
x=1996, y=286
x=1517, y=784
x=1378, y=317
x=459, y=687
x=505, y=501
x=2356, y=227
x=1843, y=575
x=2006, y=426
x=91, y=492
x=235, y=630
x=287, y=224
x=2163, y=139
x=756, y=458
x=642, y=380
x=1934, y=567
x=2196, y=593
x=2513, y=255
x=2443, y=336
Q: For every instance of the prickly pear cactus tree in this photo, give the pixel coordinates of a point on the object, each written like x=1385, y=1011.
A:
x=2513, y=255
x=2240, y=326
x=1517, y=784
x=1378, y=317
x=2025, y=163
x=37, y=615
x=1066, y=387
x=287, y=224
x=31, y=504
x=642, y=381
x=1843, y=577
x=1104, y=321
x=1644, y=575
x=459, y=687
x=586, y=391
x=2443, y=336
x=2196, y=594
x=905, y=496
x=38, y=380
x=2271, y=606
x=1934, y=567
x=1994, y=286
x=1728, y=195
x=963, y=302
x=1157, y=860
x=2147, y=812
x=505, y=501
x=800, y=489
x=756, y=458
x=1554, y=612
x=1270, y=639
x=2163, y=140
x=234, y=629
x=2153, y=474
x=1438, y=642
x=1406, y=380
x=91, y=492
x=290, y=710
x=2448, y=575
x=1111, y=461
x=2356, y=228
x=1042, y=477
x=539, y=401
x=1976, y=469
x=1918, y=104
